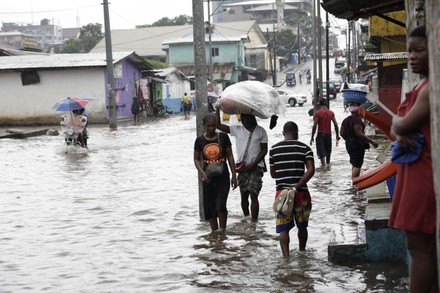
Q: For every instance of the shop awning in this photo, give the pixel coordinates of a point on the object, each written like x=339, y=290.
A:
x=386, y=56
x=355, y=9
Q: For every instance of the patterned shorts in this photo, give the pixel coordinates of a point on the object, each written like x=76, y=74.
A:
x=300, y=214
x=251, y=181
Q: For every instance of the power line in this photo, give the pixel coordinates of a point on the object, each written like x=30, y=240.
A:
x=48, y=11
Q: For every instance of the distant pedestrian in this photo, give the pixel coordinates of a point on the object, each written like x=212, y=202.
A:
x=187, y=105
x=356, y=142
x=322, y=120
x=292, y=166
x=135, y=110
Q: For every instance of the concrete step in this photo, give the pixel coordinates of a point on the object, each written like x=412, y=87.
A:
x=347, y=243
x=372, y=240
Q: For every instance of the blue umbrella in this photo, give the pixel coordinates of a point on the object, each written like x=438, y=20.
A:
x=70, y=104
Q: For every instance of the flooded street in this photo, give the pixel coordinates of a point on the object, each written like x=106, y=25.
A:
x=124, y=217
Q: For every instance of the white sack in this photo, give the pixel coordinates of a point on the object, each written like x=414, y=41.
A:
x=251, y=97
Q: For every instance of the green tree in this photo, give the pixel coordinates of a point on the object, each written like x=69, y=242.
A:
x=286, y=43
x=70, y=46
x=178, y=20
x=89, y=36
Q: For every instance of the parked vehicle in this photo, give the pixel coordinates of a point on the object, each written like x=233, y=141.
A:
x=332, y=90
x=339, y=63
x=290, y=78
x=291, y=98
x=338, y=84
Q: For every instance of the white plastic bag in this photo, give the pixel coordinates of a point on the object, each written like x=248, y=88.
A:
x=251, y=97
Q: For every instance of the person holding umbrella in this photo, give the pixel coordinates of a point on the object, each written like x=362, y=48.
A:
x=76, y=122
x=73, y=124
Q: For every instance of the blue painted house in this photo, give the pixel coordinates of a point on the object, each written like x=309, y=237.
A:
x=238, y=50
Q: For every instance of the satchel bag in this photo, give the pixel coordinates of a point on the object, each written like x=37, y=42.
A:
x=215, y=169
x=240, y=166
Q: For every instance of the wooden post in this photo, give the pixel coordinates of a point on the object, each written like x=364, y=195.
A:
x=432, y=8
x=200, y=79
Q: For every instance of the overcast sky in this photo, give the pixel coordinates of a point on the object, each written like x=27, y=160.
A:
x=124, y=14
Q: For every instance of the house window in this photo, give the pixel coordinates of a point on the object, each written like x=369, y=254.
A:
x=29, y=77
x=214, y=52
x=253, y=60
x=231, y=11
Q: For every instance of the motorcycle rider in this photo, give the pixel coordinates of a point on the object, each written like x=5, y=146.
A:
x=73, y=125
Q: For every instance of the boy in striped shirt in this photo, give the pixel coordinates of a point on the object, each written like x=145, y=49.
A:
x=292, y=165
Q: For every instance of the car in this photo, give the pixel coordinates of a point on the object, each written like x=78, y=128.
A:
x=291, y=98
x=338, y=84
x=332, y=88
x=339, y=63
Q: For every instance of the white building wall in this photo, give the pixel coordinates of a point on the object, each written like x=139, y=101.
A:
x=36, y=100
x=176, y=87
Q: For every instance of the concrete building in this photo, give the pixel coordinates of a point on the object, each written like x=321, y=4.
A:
x=47, y=35
x=32, y=84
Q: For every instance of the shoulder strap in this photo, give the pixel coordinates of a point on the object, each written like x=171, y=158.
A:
x=219, y=143
x=247, y=146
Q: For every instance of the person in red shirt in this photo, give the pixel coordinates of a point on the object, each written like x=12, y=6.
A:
x=322, y=120
x=414, y=202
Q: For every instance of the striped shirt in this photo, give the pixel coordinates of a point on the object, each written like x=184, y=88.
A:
x=289, y=158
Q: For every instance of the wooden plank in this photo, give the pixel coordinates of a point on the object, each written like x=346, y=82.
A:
x=17, y=134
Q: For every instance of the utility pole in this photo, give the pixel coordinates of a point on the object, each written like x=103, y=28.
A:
x=355, y=48
x=314, y=57
x=299, y=45
x=211, y=74
x=200, y=79
x=327, y=62
x=274, y=75
x=319, y=49
x=110, y=74
x=349, y=53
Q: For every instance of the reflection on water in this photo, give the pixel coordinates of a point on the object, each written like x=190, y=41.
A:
x=123, y=216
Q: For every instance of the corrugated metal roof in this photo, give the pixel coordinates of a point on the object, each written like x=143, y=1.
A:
x=386, y=56
x=14, y=52
x=220, y=71
x=66, y=60
x=167, y=71
x=260, y=2
x=222, y=32
x=149, y=41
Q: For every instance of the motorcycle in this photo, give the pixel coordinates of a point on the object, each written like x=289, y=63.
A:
x=72, y=127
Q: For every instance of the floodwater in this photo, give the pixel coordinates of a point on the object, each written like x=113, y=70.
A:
x=124, y=217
